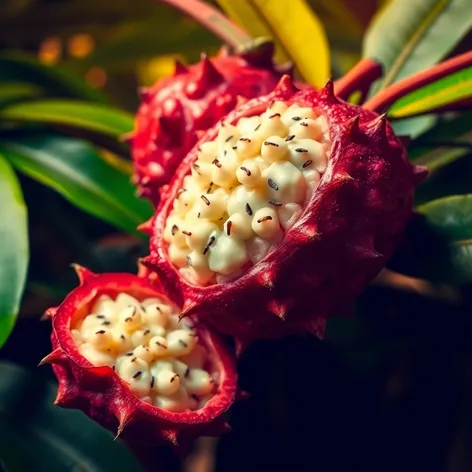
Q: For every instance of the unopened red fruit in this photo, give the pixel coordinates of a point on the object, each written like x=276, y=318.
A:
x=122, y=356
x=282, y=213
x=175, y=109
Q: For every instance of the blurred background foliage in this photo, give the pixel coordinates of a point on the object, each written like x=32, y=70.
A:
x=389, y=389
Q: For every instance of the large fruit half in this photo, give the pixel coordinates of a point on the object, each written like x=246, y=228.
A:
x=309, y=194
x=175, y=109
x=121, y=356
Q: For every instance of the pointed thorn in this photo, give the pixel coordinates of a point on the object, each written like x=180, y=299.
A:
x=199, y=134
x=378, y=127
x=49, y=313
x=278, y=309
x=352, y=126
x=223, y=51
x=145, y=94
x=240, y=100
x=82, y=273
x=210, y=74
x=309, y=232
x=124, y=420
x=62, y=398
x=285, y=85
x=327, y=92
x=171, y=436
x=146, y=227
x=51, y=358
x=286, y=69
x=265, y=278
x=419, y=174
x=180, y=68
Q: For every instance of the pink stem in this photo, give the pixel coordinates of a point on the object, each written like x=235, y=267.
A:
x=213, y=20
x=360, y=77
x=383, y=100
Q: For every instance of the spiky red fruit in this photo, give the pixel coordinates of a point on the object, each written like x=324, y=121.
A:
x=346, y=233
x=105, y=397
x=175, y=109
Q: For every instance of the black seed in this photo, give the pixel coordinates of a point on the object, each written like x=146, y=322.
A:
x=229, y=138
x=228, y=228
x=217, y=163
x=129, y=353
x=152, y=381
x=198, y=216
x=245, y=169
x=183, y=343
x=304, y=123
x=225, y=152
x=189, y=261
x=210, y=242
x=271, y=104
x=100, y=317
x=210, y=188
x=187, y=233
x=296, y=118
x=106, y=323
x=234, y=148
x=264, y=218
x=174, y=377
x=161, y=345
x=289, y=138
x=301, y=150
x=146, y=332
x=192, y=335
x=246, y=140
x=137, y=374
x=248, y=209
x=113, y=367
x=133, y=359
x=108, y=350
x=181, y=191
x=187, y=372
x=268, y=143
x=102, y=331
x=275, y=203
x=174, y=229
x=272, y=184
x=257, y=127
x=196, y=167
x=205, y=199
x=122, y=337
x=274, y=115
x=307, y=163
x=127, y=320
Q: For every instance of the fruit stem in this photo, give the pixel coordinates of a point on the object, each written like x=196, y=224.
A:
x=383, y=100
x=213, y=20
x=360, y=77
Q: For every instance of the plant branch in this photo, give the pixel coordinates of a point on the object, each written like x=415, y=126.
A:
x=360, y=77
x=213, y=20
x=382, y=101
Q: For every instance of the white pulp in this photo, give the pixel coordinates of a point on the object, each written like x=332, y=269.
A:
x=246, y=188
x=158, y=356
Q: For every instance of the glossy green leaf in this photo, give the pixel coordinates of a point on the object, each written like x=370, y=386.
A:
x=414, y=127
x=11, y=92
x=14, y=253
x=444, y=144
x=408, y=36
x=438, y=245
x=295, y=25
x=76, y=170
x=93, y=117
x=36, y=436
x=446, y=91
x=54, y=80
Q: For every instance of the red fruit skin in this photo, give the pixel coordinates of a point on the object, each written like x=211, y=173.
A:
x=347, y=232
x=102, y=395
x=175, y=109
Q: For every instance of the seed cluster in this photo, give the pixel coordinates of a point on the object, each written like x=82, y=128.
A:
x=144, y=342
x=245, y=189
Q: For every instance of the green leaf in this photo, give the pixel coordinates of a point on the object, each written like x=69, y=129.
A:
x=296, y=27
x=442, y=145
x=439, y=242
x=414, y=127
x=93, y=117
x=446, y=91
x=11, y=92
x=75, y=169
x=56, y=81
x=14, y=253
x=37, y=436
x=408, y=36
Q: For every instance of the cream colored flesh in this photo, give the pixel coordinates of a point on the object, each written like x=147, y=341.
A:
x=158, y=356
x=245, y=189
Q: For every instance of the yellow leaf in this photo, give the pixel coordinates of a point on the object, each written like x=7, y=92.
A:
x=294, y=26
